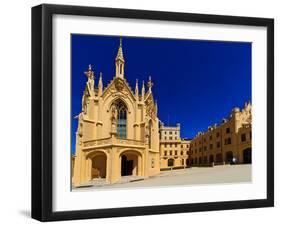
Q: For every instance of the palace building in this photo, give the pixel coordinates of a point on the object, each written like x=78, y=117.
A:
x=119, y=134
x=118, y=129
x=227, y=143
x=174, y=151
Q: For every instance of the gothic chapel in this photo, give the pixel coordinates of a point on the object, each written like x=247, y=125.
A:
x=117, y=132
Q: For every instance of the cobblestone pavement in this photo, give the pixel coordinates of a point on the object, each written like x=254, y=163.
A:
x=190, y=176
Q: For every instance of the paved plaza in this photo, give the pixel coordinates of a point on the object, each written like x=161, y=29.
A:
x=189, y=176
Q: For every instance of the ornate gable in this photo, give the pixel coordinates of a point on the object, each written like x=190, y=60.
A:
x=119, y=88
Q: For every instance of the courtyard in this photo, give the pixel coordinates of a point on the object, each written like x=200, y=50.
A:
x=189, y=176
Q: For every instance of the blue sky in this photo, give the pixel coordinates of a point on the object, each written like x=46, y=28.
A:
x=196, y=83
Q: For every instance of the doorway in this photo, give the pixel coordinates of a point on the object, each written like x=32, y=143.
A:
x=127, y=166
x=247, y=156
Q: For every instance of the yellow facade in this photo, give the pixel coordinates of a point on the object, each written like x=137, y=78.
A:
x=174, y=151
x=117, y=131
x=119, y=134
x=229, y=142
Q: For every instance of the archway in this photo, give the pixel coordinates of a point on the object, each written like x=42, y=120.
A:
x=170, y=162
x=200, y=160
x=229, y=157
x=247, y=155
x=211, y=159
x=219, y=158
x=205, y=159
x=98, y=169
x=131, y=164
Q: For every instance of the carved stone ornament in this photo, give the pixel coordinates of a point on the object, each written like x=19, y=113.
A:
x=113, y=118
x=89, y=73
x=119, y=85
x=113, y=113
x=118, y=89
x=150, y=108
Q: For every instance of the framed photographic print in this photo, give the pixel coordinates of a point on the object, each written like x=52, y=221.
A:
x=146, y=112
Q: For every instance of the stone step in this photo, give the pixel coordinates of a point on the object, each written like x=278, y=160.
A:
x=127, y=179
x=99, y=182
x=96, y=182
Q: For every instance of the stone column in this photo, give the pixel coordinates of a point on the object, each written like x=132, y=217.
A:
x=115, y=166
x=140, y=173
x=145, y=166
x=89, y=169
x=76, y=171
x=83, y=168
x=108, y=167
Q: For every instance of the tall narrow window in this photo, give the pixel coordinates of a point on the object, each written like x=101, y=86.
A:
x=121, y=120
x=150, y=133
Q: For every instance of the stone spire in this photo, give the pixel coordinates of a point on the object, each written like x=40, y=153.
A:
x=156, y=108
x=100, y=86
x=137, y=90
x=142, y=91
x=120, y=52
x=149, y=84
x=120, y=62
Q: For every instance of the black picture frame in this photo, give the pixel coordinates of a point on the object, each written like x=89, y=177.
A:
x=42, y=111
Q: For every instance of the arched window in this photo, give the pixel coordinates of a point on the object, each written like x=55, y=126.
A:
x=121, y=119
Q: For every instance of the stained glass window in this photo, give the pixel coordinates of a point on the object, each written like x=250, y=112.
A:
x=121, y=120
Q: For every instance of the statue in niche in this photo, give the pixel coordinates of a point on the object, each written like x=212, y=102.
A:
x=113, y=118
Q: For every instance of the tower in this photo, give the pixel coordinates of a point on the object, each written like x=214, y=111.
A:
x=120, y=62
